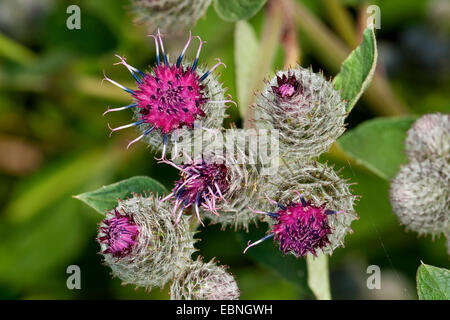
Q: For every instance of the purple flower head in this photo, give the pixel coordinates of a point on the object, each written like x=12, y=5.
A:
x=119, y=234
x=170, y=96
x=287, y=86
x=300, y=227
x=170, y=99
x=141, y=244
x=202, y=183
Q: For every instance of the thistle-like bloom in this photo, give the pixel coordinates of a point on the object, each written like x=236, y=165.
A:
x=300, y=227
x=220, y=183
x=420, y=196
x=169, y=15
x=318, y=218
x=173, y=99
x=141, y=243
x=202, y=184
x=204, y=281
x=429, y=137
x=306, y=109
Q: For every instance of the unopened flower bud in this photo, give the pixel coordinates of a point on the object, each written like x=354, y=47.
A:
x=169, y=15
x=420, y=196
x=429, y=137
x=306, y=109
x=245, y=184
x=204, y=281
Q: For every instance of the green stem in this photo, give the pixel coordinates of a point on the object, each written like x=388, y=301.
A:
x=15, y=51
x=292, y=50
x=318, y=276
x=271, y=33
x=341, y=21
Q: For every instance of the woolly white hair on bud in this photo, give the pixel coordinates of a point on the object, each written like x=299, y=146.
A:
x=420, y=196
x=204, y=281
x=429, y=137
x=322, y=186
x=160, y=249
x=306, y=109
x=448, y=242
x=245, y=184
x=169, y=15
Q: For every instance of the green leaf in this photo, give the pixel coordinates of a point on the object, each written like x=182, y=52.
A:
x=433, y=283
x=318, y=276
x=357, y=70
x=105, y=198
x=246, y=49
x=378, y=144
x=234, y=10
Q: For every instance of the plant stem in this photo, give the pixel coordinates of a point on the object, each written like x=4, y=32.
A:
x=341, y=21
x=318, y=276
x=289, y=38
x=272, y=29
x=16, y=51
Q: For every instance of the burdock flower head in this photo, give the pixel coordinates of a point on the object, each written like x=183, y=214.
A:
x=169, y=15
x=173, y=98
x=218, y=184
x=300, y=227
x=429, y=137
x=315, y=210
x=308, y=112
x=420, y=196
x=204, y=281
x=203, y=182
x=141, y=244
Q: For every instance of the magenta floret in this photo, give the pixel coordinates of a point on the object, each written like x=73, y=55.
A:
x=120, y=234
x=171, y=98
x=202, y=183
x=287, y=86
x=300, y=227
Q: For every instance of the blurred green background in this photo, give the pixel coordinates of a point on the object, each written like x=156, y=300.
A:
x=54, y=144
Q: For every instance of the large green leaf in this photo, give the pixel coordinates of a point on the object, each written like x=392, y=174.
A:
x=105, y=198
x=433, y=283
x=234, y=10
x=246, y=49
x=378, y=144
x=357, y=70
